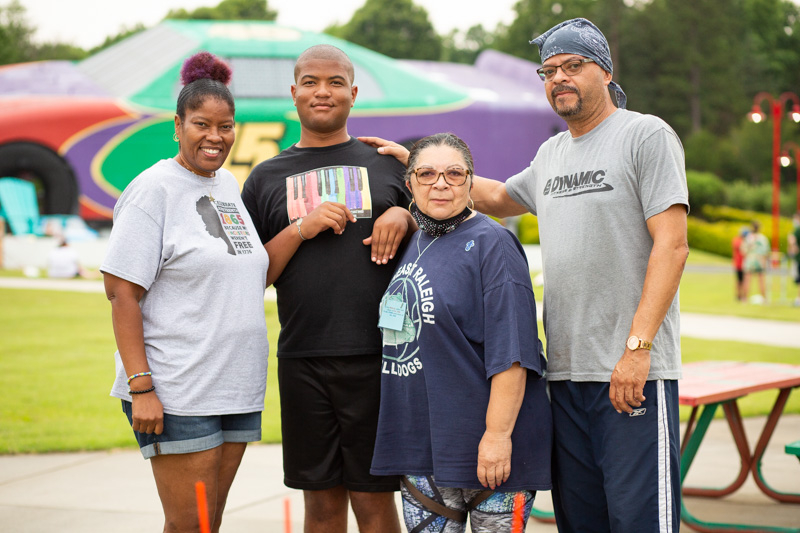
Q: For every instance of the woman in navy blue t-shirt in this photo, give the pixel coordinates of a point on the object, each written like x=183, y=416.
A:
x=464, y=416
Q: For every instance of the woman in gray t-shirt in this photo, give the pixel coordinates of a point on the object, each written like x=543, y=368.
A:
x=185, y=273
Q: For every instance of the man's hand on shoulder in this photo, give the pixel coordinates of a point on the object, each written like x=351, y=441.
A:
x=387, y=148
x=626, y=390
x=388, y=233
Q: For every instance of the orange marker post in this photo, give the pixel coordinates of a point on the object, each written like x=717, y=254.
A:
x=287, y=517
x=202, y=507
x=518, y=520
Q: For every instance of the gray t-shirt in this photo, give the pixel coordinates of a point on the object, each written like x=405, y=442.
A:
x=593, y=195
x=205, y=271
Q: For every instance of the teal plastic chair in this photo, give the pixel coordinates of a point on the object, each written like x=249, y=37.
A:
x=18, y=205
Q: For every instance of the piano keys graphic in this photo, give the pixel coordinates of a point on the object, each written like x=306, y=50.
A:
x=347, y=185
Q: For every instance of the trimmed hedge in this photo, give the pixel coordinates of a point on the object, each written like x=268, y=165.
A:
x=710, y=237
x=714, y=237
x=705, y=188
x=726, y=223
x=528, y=229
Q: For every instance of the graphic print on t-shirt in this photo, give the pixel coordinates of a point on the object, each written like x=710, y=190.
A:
x=409, y=283
x=223, y=221
x=344, y=184
x=576, y=184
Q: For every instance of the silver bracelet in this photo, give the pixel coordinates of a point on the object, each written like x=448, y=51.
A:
x=299, y=223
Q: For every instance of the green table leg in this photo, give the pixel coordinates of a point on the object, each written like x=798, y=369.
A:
x=736, y=425
x=543, y=516
x=686, y=461
x=761, y=447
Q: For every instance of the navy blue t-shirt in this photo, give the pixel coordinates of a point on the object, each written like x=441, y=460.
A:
x=470, y=314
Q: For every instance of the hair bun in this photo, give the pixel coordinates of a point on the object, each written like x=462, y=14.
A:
x=204, y=65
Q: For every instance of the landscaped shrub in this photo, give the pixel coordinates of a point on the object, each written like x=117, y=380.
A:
x=528, y=229
x=712, y=233
x=742, y=195
x=725, y=222
x=724, y=213
x=713, y=237
x=704, y=189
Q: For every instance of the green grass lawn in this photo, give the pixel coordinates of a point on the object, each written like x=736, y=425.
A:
x=696, y=257
x=56, y=371
x=57, y=366
x=711, y=292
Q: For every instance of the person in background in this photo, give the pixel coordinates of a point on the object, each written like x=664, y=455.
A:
x=185, y=274
x=794, y=253
x=756, y=262
x=737, y=247
x=63, y=262
x=464, y=413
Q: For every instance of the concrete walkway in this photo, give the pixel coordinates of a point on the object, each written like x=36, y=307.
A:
x=731, y=328
x=115, y=492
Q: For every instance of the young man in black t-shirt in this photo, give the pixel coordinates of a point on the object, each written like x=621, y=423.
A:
x=329, y=283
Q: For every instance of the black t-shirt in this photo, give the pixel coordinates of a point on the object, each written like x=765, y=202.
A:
x=329, y=292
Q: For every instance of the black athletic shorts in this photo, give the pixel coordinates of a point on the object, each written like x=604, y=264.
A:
x=329, y=419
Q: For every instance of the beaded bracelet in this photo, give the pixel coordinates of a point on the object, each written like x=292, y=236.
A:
x=139, y=375
x=151, y=389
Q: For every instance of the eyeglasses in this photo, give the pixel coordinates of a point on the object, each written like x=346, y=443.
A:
x=570, y=68
x=454, y=176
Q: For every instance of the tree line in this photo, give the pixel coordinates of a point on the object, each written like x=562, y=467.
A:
x=696, y=63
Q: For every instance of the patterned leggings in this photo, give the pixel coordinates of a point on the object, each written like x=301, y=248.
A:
x=493, y=514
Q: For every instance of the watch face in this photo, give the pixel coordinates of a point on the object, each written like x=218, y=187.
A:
x=633, y=342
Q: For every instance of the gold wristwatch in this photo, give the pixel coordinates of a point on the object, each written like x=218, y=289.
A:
x=635, y=343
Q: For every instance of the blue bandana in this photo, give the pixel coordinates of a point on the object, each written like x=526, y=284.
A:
x=579, y=36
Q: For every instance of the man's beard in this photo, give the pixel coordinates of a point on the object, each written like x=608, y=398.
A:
x=570, y=111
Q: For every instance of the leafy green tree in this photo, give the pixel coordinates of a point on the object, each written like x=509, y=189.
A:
x=773, y=39
x=228, y=10
x=534, y=17
x=123, y=33
x=711, y=33
x=59, y=51
x=15, y=34
x=464, y=47
x=396, y=28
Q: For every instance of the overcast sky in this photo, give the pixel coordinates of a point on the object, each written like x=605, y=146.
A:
x=86, y=23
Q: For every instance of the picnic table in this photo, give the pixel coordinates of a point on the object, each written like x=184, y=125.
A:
x=709, y=384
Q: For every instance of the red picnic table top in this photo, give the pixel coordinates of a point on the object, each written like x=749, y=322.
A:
x=707, y=382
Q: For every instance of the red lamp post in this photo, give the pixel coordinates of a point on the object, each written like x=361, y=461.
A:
x=786, y=160
x=777, y=107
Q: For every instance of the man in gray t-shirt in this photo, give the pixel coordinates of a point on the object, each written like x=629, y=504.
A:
x=610, y=194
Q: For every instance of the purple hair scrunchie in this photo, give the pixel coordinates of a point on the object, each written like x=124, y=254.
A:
x=580, y=36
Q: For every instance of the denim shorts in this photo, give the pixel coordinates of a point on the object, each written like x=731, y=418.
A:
x=189, y=434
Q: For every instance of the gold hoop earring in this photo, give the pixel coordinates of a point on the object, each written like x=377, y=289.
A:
x=410, y=204
x=175, y=138
x=472, y=207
